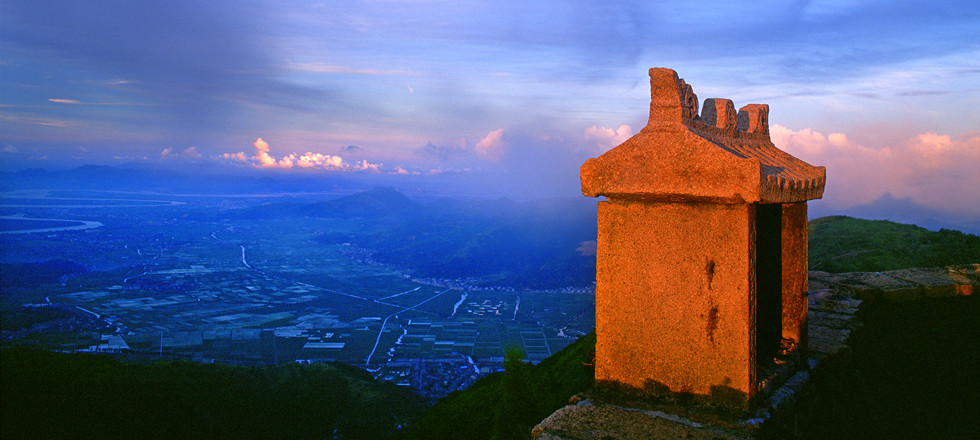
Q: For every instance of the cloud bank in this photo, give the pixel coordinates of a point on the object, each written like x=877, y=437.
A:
x=263, y=158
x=933, y=170
x=605, y=139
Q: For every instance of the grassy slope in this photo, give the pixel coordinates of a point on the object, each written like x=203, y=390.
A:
x=845, y=244
x=55, y=395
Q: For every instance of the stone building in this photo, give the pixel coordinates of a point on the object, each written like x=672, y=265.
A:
x=702, y=250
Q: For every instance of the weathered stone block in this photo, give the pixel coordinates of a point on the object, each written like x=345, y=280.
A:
x=936, y=282
x=674, y=302
x=871, y=285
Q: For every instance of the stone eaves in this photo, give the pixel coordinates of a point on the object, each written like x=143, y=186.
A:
x=719, y=156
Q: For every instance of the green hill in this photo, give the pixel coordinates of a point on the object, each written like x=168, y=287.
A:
x=57, y=395
x=845, y=244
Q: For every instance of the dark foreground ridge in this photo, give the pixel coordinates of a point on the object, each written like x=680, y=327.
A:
x=57, y=395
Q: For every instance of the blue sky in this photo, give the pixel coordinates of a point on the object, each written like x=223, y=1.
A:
x=885, y=94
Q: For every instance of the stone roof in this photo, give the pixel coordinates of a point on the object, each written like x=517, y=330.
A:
x=719, y=156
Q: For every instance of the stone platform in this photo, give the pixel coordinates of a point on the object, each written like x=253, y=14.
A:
x=834, y=300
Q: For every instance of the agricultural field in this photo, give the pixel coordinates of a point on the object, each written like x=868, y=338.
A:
x=186, y=276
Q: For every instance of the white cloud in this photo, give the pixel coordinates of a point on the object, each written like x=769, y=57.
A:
x=264, y=158
x=309, y=160
x=933, y=170
x=365, y=166
x=606, y=138
x=492, y=147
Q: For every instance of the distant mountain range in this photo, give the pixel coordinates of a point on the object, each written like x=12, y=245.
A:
x=905, y=210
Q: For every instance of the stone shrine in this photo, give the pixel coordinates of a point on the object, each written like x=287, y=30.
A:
x=701, y=263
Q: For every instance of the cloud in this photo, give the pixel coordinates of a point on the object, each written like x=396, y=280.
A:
x=64, y=101
x=262, y=155
x=36, y=121
x=446, y=151
x=933, y=170
x=189, y=153
x=492, y=147
x=263, y=158
x=606, y=138
x=363, y=165
x=309, y=160
x=237, y=157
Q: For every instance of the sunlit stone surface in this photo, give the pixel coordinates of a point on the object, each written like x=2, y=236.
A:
x=701, y=256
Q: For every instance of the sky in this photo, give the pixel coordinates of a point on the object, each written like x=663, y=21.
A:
x=885, y=94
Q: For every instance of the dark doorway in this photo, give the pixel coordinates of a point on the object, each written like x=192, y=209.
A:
x=769, y=281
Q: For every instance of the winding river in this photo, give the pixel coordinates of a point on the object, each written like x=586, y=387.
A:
x=85, y=224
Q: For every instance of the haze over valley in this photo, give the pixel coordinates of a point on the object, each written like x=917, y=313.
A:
x=426, y=292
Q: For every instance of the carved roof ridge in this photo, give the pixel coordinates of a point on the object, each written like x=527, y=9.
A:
x=676, y=155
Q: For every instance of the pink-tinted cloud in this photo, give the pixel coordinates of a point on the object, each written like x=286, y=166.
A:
x=263, y=158
x=492, y=147
x=605, y=139
x=191, y=153
x=236, y=157
x=262, y=155
x=933, y=170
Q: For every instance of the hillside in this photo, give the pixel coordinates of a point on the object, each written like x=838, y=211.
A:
x=56, y=395
x=545, y=243
x=507, y=405
x=526, y=245
x=845, y=244
x=378, y=203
